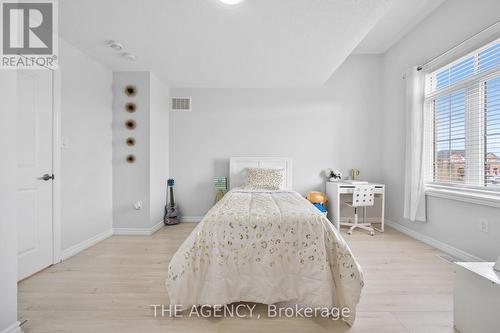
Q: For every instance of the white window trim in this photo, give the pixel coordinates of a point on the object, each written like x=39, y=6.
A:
x=468, y=189
x=467, y=194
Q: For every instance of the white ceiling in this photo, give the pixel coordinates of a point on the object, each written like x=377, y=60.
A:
x=401, y=18
x=204, y=43
x=255, y=44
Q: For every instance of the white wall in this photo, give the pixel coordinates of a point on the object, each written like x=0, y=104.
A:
x=144, y=180
x=8, y=230
x=454, y=223
x=159, y=147
x=86, y=161
x=130, y=180
x=335, y=126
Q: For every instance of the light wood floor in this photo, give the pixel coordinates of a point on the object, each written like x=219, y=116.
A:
x=109, y=287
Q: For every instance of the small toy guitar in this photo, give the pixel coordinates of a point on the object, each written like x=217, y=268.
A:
x=172, y=215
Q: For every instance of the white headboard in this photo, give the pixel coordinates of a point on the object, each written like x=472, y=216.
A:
x=238, y=164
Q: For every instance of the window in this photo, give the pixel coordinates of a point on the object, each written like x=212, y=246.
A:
x=462, y=101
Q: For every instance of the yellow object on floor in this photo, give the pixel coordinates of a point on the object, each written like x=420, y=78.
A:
x=316, y=197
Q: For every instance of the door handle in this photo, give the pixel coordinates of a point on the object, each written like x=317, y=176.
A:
x=46, y=177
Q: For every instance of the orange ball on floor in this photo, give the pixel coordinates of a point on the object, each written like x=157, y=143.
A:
x=316, y=197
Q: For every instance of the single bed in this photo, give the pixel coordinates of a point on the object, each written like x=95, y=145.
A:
x=264, y=246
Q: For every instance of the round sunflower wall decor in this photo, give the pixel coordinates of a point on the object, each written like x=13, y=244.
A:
x=130, y=124
x=130, y=141
x=130, y=158
x=130, y=90
x=130, y=107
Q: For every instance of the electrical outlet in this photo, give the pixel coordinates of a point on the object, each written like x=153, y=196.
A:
x=483, y=225
x=64, y=142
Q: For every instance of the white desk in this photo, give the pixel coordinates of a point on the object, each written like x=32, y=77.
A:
x=334, y=190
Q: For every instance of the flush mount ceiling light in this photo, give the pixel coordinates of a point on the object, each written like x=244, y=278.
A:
x=231, y=2
x=129, y=56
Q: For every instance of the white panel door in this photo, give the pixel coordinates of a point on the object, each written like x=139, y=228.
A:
x=34, y=160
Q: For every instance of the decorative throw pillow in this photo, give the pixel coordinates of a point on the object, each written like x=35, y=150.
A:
x=264, y=179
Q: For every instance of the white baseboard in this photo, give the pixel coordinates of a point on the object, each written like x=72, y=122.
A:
x=138, y=231
x=75, y=249
x=14, y=328
x=132, y=231
x=191, y=218
x=68, y=253
x=156, y=227
x=452, y=251
x=153, y=229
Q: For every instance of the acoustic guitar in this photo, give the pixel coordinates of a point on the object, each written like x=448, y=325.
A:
x=172, y=215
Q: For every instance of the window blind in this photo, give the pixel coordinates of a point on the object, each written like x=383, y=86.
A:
x=462, y=102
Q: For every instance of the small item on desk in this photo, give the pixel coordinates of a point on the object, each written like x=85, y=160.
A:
x=333, y=175
x=355, y=174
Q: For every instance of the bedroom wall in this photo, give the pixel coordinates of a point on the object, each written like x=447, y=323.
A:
x=454, y=223
x=86, y=155
x=8, y=230
x=338, y=126
x=130, y=180
x=145, y=179
x=159, y=147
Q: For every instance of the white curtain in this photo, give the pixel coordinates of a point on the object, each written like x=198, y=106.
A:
x=414, y=198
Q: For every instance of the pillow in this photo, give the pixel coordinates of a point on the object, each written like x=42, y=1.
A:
x=263, y=178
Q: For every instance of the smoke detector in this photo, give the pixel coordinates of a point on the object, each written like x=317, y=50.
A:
x=117, y=46
x=129, y=56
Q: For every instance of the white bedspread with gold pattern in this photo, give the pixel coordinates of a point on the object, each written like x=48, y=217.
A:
x=265, y=247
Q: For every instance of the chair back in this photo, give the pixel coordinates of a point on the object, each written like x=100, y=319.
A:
x=363, y=195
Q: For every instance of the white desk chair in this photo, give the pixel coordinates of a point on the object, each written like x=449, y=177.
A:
x=362, y=196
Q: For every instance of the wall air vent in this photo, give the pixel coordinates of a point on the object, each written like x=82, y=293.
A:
x=180, y=104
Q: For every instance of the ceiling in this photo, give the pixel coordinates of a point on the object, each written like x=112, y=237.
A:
x=401, y=17
x=255, y=44
x=205, y=43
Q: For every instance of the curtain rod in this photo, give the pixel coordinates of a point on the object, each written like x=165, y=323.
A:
x=419, y=68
